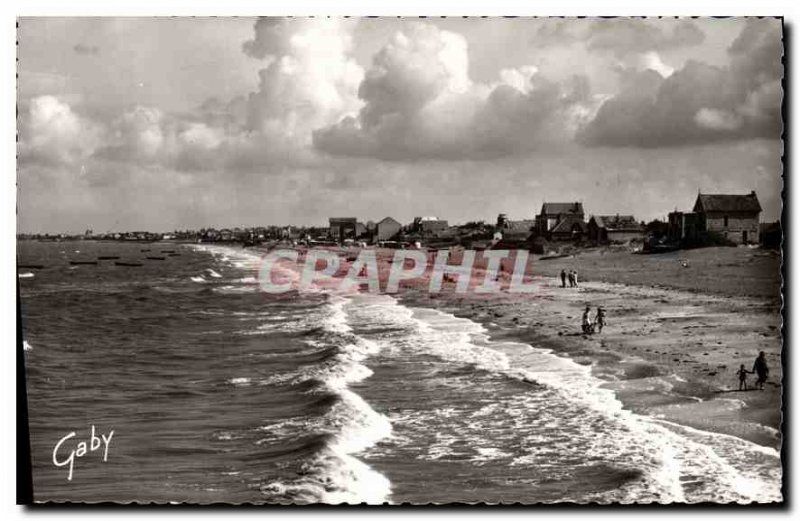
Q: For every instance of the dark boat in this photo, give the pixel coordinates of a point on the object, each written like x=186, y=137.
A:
x=108, y=257
x=167, y=251
x=121, y=263
x=31, y=266
x=79, y=263
x=145, y=249
x=155, y=258
x=173, y=255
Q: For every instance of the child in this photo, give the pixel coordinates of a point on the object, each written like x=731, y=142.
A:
x=742, y=372
x=586, y=325
x=600, y=319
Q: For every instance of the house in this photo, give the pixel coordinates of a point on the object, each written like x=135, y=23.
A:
x=514, y=231
x=684, y=227
x=361, y=229
x=734, y=217
x=614, y=228
x=386, y=228
x=561, y=221
x=342, y=228
x=428, y=225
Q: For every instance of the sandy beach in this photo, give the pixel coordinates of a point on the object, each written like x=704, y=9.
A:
x=679, y=325
x=668, y=352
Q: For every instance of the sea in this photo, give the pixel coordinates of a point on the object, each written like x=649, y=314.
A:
x=217, y=392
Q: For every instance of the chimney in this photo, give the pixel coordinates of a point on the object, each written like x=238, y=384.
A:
x=752, y=193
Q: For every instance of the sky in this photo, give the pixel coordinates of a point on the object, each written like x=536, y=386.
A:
x=176, y=123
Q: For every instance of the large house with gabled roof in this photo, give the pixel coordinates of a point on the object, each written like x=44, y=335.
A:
x=561, y=221
x=733, y=217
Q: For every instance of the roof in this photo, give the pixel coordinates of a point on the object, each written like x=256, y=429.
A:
x=520, y=226
x=562, y=208
x=347, y=220
x=566, y=224
x=617, y=222
x=727, y=203
x=387, y=220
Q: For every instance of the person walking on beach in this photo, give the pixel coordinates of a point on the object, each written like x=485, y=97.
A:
x=575, y=277
x=563, y=278
x=571, y=276
x=761, y=369
x=742, y=373
x=585, y=324
x=600, y=319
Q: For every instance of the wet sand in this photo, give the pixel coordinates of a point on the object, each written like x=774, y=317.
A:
x=679, y=326
x=667, y=353
x=670, y=353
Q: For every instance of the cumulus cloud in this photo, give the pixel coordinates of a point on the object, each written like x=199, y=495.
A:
x=419, y=102
x=51, y=132
x=700, y=103
x=716, y=119
x=311, y=78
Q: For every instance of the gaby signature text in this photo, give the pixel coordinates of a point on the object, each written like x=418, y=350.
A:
x=66, y=451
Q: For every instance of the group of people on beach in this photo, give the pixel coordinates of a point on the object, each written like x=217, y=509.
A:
x=759, y=367
x=572, y=276
x=588, y=326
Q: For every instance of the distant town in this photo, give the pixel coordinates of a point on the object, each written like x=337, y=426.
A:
x=715, y=219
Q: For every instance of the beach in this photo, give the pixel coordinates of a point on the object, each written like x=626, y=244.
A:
x=669, y=352
x=678, y=326
x=343, y=395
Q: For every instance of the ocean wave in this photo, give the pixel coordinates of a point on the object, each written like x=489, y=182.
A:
x=333, y=474
x=669, y=457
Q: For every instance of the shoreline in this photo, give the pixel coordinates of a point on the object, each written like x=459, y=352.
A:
x=638, y=355
x=674, y=339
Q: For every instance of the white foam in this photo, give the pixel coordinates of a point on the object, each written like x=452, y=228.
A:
x=336, y=475
x=246, y=280
x=213, y=273
x=198, y=279
x=26, y=275
x=26, y=346
x=666, y=454
x=240, y=381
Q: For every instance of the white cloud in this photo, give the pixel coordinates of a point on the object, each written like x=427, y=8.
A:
x=699, y=102
x=52, y=132
x=310, y=80
x=419, y=102
x=716, y=119
x=651, y=60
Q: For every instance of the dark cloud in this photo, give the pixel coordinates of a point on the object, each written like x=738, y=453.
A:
x=625, y=36
x=699, y=103
x=621, y=36
x=557, y=32
x=86, y=50
x=272, y=37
